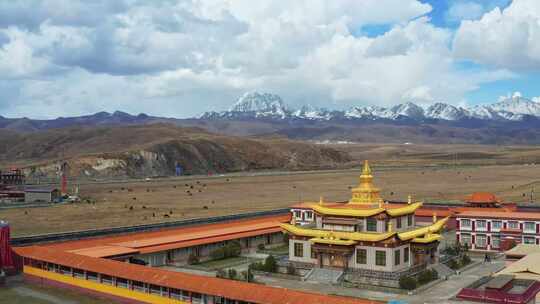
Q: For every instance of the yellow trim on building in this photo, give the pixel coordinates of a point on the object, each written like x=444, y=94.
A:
x=101, y=288
x=332, y=242
x=343, y=235
x=428, y=238
x=347, y=211
x=366, y=236
x=409, y=209
x=434, y=228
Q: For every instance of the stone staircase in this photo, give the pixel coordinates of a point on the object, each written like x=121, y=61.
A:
x=324, y=275
x=443, y=270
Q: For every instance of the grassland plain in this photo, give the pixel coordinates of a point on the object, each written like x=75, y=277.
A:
x=140, y=202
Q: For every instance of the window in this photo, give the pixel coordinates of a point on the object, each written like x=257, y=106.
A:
x=120, y=282
x=513, y=225
x=409, y=220
x=91, y=276
x=481, y=225
x=298, y=250
x=406, y=255
x=465, y=238
x=397, y=257
x=297, y=214
x=155, y=289
x=380, y=258
x=139, y=286
x=496, y=225
x=466, y=223
x=105, y=279
x=313, y=254
x=495, y=241
x=309, y=215
x=361, y=256
x=530, y=227
x=529, y=240
x=398, y=223
x=481, y=240
x=371, y=225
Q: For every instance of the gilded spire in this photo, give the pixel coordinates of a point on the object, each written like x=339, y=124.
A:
x=366, y=192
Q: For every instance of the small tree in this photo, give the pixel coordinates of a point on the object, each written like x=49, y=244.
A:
x=270, y=264
x=407, y=283
x=193, y=259
x=260, y=247
x=424, y=277
x=465, y=260
x=247, y=276
x=232, y=274
x=217, y=254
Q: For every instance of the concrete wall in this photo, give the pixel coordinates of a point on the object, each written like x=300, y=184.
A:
x=307, y=252
x=370, y=265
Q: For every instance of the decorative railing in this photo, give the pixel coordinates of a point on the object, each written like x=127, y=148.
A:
x=385, y=275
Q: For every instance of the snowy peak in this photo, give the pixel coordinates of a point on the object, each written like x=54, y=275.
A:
x=312, y=113
x=265, y=105
x=445, y=111
x=261, y=105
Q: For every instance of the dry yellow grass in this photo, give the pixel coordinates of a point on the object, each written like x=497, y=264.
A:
x=229, y=195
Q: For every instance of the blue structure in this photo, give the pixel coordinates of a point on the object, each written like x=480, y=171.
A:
x=179, y=170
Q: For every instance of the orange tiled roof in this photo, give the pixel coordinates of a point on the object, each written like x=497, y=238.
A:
x=197, y=230
x=482, y=197
x=237, y=290
x=503, y=215
x=104, y=251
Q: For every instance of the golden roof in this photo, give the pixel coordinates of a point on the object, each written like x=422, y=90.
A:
x=419, y=235
x=365, y=212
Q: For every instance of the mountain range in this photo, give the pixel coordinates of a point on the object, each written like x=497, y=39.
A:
x=514, y=120
x=266, y=105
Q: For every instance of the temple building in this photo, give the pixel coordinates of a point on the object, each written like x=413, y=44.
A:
x=364, y=234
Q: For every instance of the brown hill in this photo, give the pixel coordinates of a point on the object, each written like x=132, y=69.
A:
x=152, y=150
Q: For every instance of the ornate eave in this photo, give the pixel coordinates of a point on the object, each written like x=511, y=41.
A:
x=431, y=229
x=343, y=235
x=355, y=212
x=420, y=235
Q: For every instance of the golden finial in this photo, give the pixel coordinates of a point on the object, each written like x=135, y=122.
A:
x=390, y=226
x=321, y=201
x=380, y=204
x=366, y=170
x=434, y=217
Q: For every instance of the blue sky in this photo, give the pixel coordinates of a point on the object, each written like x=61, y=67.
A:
x=179, y=58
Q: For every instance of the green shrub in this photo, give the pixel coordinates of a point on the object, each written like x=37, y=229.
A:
x=232, y=274
x=217, y=254
x=232, y=249
x=257, y=266
x=192, y=259
x=434, y=275
x=260, y=247
x=247, y=276
x=453, y=264
x=407, y=283
x=270, y=264
x=424, y=277
x=465, y=260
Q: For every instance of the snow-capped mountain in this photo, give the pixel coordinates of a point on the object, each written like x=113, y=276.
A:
x=262, y=105
x=256, y=105
x=312, y=113
x=445, y=111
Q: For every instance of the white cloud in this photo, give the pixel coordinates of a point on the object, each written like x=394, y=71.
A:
x=508, y=38
x=536, y=99
x=179, y=58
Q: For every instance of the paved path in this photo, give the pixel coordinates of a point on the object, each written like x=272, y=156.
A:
x=440, y=293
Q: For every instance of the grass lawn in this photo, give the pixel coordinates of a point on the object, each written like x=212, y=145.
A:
x=225, y=263
x=281, y=250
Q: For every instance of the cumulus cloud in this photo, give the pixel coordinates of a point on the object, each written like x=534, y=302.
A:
x=179, y=58
x=508, y=38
